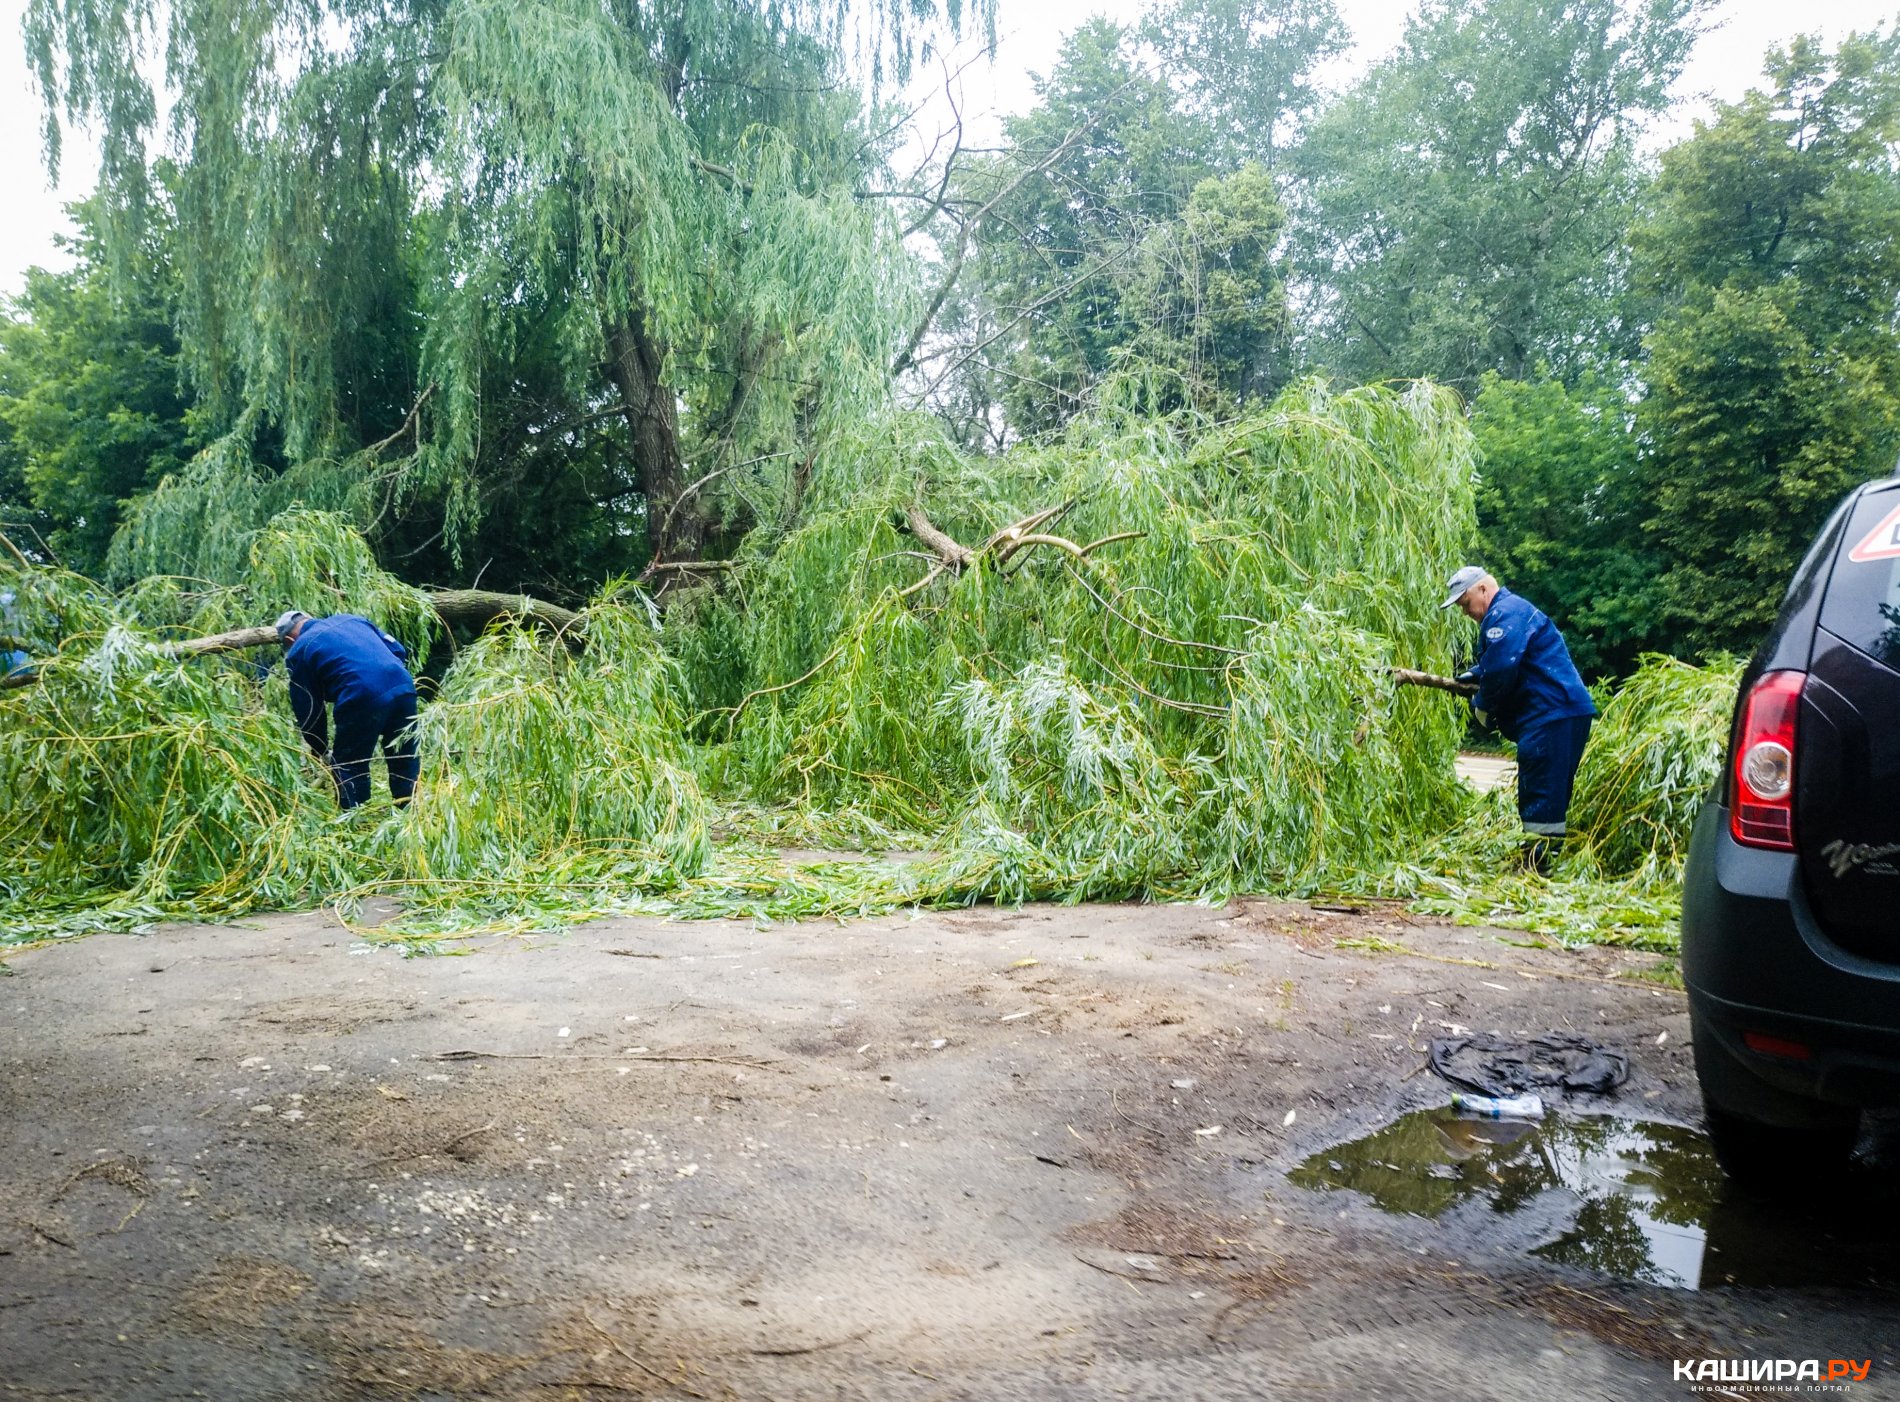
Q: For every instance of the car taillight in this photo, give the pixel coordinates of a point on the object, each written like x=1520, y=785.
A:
x=1761, y=791
x=1776, y=1046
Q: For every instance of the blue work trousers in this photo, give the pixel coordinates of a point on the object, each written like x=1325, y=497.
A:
x=360, y=727
x=1547, y=760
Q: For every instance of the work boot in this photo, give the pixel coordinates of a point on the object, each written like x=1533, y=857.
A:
x=1539, y=854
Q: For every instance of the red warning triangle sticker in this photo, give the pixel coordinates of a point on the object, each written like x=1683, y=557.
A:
x=1882, y=543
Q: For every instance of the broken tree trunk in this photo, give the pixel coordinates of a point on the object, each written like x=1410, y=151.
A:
x=1405, y=676
x=477, y=608
x=955, y=556
x=466, y=608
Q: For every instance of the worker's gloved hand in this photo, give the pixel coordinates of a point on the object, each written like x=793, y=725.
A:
x=1484, y=718
x=1469, y=677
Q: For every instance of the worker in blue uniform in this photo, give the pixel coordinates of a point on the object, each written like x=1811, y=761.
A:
x=13, y=656
x=348, y=663
x=1528, y=688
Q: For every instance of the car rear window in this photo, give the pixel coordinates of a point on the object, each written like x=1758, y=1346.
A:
x=1863, y=597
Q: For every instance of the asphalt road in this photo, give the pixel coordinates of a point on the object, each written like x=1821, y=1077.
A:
x=989, y=1154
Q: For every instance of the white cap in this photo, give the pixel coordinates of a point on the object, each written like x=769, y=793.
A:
x=1461, y=583
x=289, y=619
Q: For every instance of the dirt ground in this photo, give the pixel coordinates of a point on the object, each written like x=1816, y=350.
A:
x=988, y=1154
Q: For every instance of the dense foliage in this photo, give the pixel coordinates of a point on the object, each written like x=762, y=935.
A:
x=540, y=294
x=1211, y=688
x=1187, y=695
x=1561, y=512
x=389, y=218
x=1774, y=368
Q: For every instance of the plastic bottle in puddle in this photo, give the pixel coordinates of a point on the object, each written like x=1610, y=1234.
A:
x=1509, y=1107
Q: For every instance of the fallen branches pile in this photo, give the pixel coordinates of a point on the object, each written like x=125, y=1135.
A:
x=1155, y=659
x=149, y=775
x=1652, y=758
x=1175, y=680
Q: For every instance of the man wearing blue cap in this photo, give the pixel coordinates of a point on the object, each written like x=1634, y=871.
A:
x=1529, y=689
x=349, y=663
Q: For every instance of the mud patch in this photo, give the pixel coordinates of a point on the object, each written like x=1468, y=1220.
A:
x=238, y=1291
x=1161, y=1229
x=314, y=1016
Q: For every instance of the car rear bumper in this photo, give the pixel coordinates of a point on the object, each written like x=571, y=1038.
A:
x=1755, y=960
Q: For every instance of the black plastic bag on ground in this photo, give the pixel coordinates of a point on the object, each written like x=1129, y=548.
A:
x=1490, y=1064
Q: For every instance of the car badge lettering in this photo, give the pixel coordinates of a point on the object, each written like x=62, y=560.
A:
x=1843, y=857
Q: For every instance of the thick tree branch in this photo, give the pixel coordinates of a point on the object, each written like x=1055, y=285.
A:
x=477, y=608
x=689, y=567
x=1405, y=676
x=954, y=556
x=467, y=608
x=725, y=173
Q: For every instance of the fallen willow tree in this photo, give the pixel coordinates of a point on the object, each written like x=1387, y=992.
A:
x=1150, y=659
x=1154, y=659
x=153, y=768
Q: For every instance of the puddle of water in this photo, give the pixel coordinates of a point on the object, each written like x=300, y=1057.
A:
x=1631, y=1198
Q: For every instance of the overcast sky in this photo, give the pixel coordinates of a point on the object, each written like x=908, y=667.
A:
x=1726, y=62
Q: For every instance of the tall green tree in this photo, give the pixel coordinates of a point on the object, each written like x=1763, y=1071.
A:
x=1247, y=70
x=1773, y=255
x=1464, y=208
x=91, y=411
x=1102, y=160
x=1560, y=513
x=673, y=185
x=1120, y=235
x=1204, y=296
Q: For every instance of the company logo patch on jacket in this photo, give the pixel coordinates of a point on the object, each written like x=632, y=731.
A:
x=1494, y=633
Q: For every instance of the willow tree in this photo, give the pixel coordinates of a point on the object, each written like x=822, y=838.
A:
x=672, y=190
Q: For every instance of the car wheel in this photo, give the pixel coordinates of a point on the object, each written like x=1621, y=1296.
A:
x=1772, y=1159
x=1768, y=1139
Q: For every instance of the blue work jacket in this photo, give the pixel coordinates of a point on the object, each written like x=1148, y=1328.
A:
x=13, y=657
x=1524, y=673
x=342, y=660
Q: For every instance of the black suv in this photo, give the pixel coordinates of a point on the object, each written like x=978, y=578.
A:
x=1791, y=896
